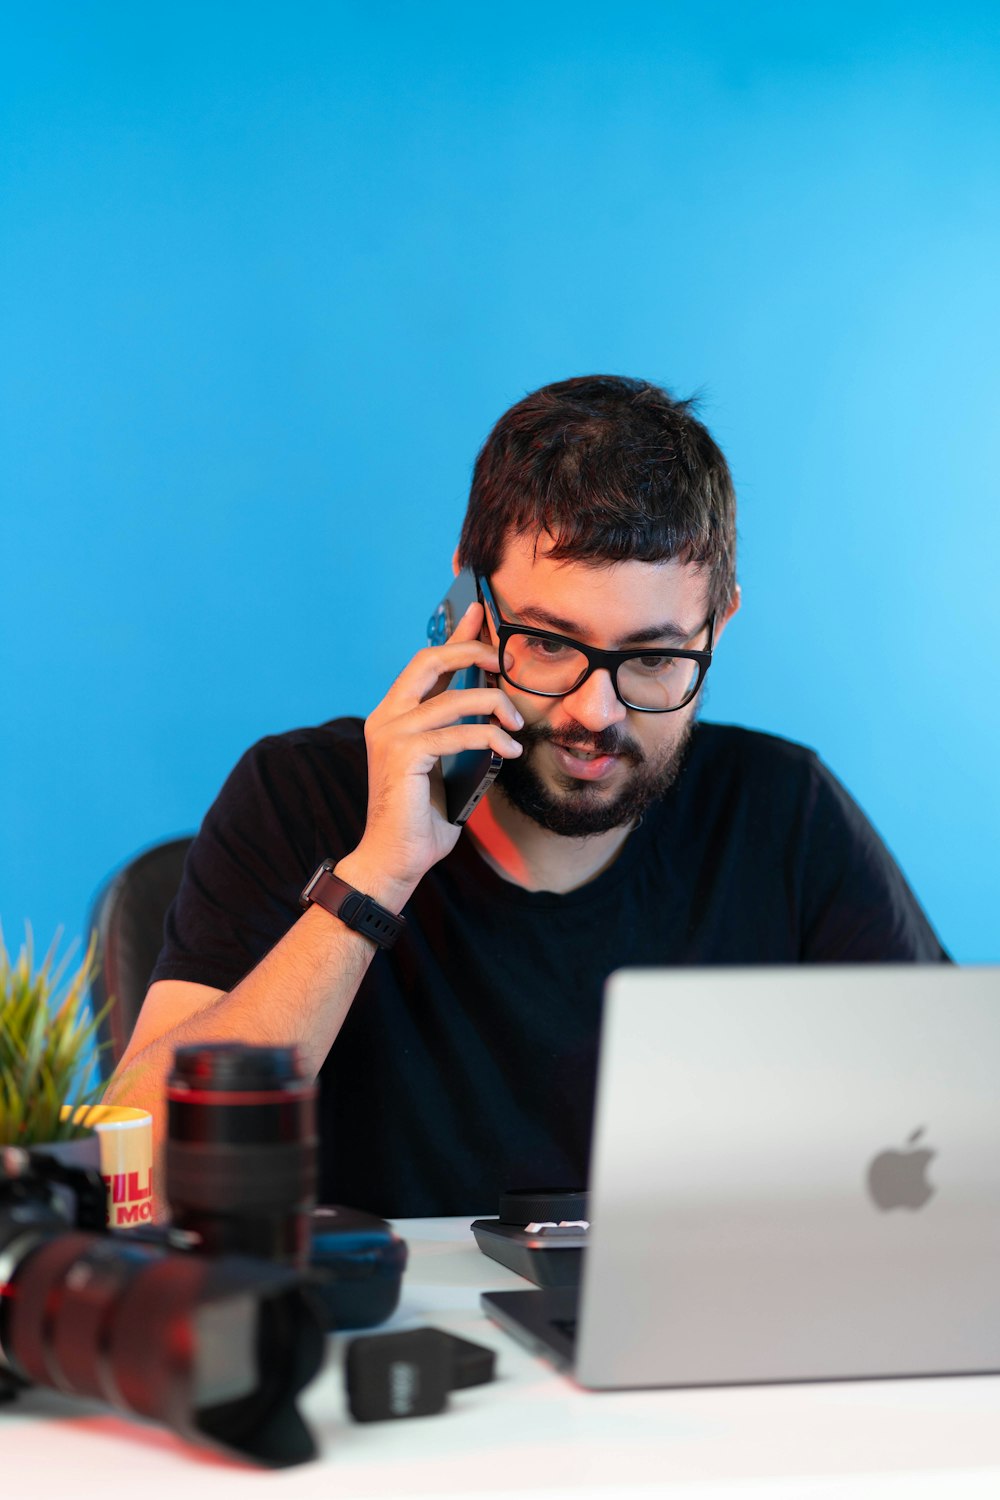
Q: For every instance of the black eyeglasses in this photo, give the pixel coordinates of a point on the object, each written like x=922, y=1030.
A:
x=657, y=681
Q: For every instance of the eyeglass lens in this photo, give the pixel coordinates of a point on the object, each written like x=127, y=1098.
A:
x=540, y=665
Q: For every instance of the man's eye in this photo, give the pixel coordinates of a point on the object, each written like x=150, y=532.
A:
x=548, y=649
x=654, y=666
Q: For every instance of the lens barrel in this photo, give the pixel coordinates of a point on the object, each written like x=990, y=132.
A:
x=242, y=1150
x=217, y=1349
x=215, y=1345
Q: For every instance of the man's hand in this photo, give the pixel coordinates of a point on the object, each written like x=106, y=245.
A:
x=304, y=986
x=417, y=723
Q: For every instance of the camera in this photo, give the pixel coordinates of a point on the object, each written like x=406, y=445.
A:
x=216, y=1347
x=214, y=1325
x=192, y=1327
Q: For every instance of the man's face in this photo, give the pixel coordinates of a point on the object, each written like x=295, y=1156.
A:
x=590, y=764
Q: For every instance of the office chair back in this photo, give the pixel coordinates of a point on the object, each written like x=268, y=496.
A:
x=128, y=914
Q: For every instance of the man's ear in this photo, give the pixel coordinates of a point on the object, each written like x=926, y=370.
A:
x=455, y=568
x=728, y=613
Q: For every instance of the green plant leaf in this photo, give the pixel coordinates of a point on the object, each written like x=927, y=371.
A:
x=47, y=1038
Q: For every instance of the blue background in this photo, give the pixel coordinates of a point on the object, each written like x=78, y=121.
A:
x=269, y=274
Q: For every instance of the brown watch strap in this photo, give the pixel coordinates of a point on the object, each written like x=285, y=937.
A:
x=355, y=910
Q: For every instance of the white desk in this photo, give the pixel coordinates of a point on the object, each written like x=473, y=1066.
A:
x=534, y=1433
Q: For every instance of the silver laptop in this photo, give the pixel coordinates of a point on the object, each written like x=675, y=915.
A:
x=796, y=1176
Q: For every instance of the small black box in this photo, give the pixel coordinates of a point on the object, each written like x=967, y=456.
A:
x=409, y=1374
x=398, y=1375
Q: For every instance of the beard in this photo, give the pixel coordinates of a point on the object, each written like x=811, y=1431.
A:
x=579, y=809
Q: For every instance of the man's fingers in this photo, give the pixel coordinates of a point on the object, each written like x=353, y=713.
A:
x=457, y=737
x=431, y=668
x=461, y=703
x=469, y=625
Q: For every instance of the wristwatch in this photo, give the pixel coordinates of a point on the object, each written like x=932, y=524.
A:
x=352, y=907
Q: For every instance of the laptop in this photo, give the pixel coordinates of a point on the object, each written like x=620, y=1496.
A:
x=795, y=1176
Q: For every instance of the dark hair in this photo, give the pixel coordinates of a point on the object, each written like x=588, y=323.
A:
x=612, y=470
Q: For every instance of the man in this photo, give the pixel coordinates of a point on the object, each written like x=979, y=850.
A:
x=461, y=1060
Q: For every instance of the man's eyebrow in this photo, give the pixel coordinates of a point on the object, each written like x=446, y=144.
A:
x=544, y=619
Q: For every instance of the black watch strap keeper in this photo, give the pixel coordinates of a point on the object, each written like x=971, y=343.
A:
x=353, y=908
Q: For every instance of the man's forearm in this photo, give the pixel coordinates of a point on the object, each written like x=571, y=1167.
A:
x=299, y=994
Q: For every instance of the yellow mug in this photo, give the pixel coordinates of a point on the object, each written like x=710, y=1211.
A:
x=126, y=1141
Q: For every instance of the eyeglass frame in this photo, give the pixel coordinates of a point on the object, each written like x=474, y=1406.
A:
x=597, y=658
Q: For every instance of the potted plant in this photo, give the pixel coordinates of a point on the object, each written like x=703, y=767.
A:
x=47, y=1046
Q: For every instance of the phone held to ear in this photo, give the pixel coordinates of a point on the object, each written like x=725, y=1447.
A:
x=470, y=773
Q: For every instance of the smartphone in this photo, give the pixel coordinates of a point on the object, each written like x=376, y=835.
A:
x=470, y=773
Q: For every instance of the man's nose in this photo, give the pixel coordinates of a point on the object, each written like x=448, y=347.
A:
x=595, y=704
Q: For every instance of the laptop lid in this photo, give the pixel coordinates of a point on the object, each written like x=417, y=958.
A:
x=796, y=1176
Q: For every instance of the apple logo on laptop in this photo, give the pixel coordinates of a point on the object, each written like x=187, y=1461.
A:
x=898, y=1179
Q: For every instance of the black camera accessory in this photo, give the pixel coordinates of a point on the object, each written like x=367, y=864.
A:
x=216, y=1349
x=541, y=1234
x=242, y=1150
x=355, y=910
x=357, y=1262
x=393, y=1375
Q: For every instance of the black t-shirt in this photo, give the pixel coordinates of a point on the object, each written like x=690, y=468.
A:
x=467, y=1062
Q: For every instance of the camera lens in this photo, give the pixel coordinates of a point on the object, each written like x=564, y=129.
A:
x=242, y=1150
x=217, y=1347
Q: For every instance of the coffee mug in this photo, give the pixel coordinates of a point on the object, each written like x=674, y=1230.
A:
x=126, y=1142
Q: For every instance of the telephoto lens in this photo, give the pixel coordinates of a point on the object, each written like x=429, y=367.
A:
x=242, y=1150
x=217, y=1348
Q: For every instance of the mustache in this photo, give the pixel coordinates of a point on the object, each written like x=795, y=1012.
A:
x=611, y=741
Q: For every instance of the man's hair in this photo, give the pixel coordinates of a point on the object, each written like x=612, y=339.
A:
x=611, y=470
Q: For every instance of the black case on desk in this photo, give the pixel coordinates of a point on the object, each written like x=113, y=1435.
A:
x=357, y=1262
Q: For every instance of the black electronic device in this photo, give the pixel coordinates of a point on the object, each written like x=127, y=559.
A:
x=409, y=1374
x=470, y=773
x=540, y=1234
